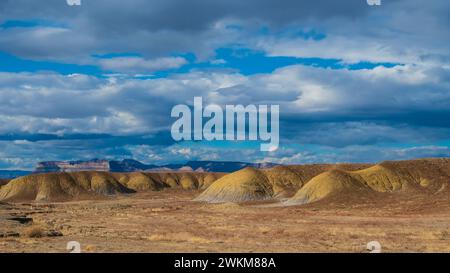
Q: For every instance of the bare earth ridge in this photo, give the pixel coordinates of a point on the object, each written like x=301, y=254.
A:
x=404, y=205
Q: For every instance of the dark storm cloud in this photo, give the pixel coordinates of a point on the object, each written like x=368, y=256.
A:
x=153, y=28
x=76, y=116
x=177, y=14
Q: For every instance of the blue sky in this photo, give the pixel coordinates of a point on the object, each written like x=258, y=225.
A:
x=354, y=83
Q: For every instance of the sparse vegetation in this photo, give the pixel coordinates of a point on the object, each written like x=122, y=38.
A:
x=400, y=222
x=404, y=205
x=34, y=231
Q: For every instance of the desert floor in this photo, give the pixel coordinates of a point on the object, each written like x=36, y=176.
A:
x=168, y=221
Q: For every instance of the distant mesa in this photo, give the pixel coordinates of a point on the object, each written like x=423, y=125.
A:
x=90, y=165
x=130, y=165
x=215, y=166
x=73, y=166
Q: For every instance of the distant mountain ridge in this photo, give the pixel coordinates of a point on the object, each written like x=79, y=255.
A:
x=10, y=174
x=130, y=165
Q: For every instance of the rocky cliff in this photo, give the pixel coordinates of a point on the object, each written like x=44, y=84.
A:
x=129, y=165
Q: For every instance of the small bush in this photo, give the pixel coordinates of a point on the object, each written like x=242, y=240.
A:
x=34, y=232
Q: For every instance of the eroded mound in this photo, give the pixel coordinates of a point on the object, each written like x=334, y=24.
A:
x=67, y=186
x=60, y=186
x=276, y=183
x=308, y=183
x=248, y=184
x=327, y=184
x=426, y=176
x=139, y=181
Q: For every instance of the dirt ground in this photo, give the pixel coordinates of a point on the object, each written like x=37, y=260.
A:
x=168, y=221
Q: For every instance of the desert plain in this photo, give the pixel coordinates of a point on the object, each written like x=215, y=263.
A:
x=178, y=219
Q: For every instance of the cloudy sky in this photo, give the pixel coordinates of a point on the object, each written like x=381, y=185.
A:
x=355, y=83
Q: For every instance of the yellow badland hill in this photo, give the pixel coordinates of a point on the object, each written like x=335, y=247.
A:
x=326, y=184
x=244, y=185
x=279, y=182
x=424, y=176
x=67, y=186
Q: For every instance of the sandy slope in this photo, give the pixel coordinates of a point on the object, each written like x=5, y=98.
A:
x=168, y=221
x=309, y=183
x=85, y=185
x=332, y=208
